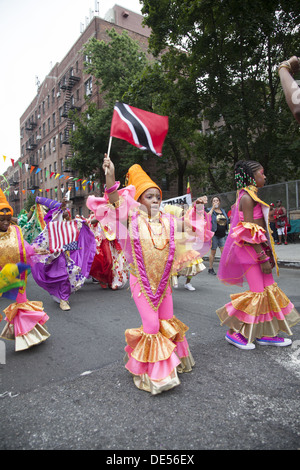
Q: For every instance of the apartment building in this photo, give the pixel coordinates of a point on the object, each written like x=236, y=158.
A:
x=43, y=167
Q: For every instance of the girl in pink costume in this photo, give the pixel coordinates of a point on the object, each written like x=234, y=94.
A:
x=264, y=310
x=158, y=349
x=25, y=319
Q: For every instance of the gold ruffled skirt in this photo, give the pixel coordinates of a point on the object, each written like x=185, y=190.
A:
x=154, y=360
x=25, y=324
x=257, y=314
x=34, y=337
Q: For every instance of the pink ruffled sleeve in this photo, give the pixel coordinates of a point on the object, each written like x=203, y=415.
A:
x=106, y=213
x=115, y=217
x=248, y=232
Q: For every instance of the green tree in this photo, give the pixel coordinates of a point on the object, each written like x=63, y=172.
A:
x=229, y=49
x=30, y=201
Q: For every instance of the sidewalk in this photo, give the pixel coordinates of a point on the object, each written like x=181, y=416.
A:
x=288, y=255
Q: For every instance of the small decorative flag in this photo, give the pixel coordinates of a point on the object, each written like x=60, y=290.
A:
x=62, y=233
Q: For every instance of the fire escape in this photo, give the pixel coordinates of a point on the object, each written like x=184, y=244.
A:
x=31, y=147
x=67, y=85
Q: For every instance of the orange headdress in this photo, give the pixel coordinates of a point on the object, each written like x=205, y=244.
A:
x=139, y=178
x=3, y=202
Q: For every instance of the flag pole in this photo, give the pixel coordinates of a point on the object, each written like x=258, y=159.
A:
x=108, y=151
x=109, y=146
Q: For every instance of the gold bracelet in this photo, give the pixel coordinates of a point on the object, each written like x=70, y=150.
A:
x=285, y=65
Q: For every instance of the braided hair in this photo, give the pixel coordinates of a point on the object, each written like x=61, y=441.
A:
x=244, y=173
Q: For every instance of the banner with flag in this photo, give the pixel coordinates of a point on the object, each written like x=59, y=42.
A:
x=63, y=235
x=143, y=129
x=185, y=199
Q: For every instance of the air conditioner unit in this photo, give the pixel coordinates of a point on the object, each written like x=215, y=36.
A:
x=39, y=116
x=58, y=94
x=38, y=137
x=53, y=149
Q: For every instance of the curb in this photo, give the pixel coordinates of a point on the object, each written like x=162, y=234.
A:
x=288, y=264
x=281, y=263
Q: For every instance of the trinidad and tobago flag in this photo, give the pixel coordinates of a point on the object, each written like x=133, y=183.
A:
x=144, y=130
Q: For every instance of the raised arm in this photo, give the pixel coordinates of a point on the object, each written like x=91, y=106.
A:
x=290, y=87
x=111, y=185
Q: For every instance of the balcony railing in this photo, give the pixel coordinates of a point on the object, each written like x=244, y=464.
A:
x=30, y=126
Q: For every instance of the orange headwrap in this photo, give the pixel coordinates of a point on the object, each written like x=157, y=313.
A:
x=138, y=178
x=3, y=202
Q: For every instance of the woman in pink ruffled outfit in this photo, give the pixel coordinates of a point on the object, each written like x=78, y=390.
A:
x=25, y=318
x=261, y=312
x=158, y=349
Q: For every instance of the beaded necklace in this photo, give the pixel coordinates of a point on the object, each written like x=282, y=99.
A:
x=163, y=230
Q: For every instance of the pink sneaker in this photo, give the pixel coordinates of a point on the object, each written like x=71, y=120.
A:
x=273, y=341
x=238, y=340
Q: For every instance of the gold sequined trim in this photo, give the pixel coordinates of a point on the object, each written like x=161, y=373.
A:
x=148, y=347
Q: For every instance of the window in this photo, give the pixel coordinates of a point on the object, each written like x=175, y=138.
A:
x=88, y=86
x=49, y=125
x=87, y=59
x=53, y=120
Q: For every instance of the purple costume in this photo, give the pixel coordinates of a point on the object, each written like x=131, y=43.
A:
x=65, y=271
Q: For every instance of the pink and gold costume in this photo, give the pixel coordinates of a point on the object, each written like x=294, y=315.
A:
x=158, y=349
x=25, y=319
x=264, y=309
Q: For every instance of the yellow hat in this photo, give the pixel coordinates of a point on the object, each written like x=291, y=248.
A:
x=3, y=202
x=138, y=178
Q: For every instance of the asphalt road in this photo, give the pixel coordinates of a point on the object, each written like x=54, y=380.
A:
x=73, y=392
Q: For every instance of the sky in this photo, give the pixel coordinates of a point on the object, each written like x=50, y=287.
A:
x=34, y=36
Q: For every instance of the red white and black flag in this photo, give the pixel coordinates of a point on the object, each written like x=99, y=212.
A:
x=143, y=129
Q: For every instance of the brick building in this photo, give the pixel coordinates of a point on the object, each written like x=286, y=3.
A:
x=44, y=126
